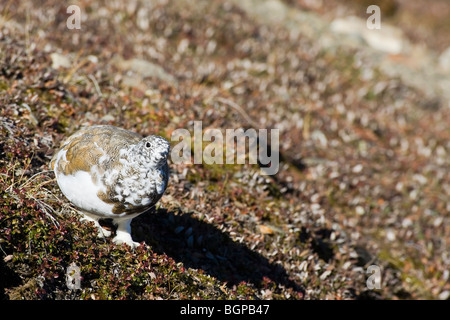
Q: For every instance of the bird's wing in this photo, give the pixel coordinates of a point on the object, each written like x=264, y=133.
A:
x=90, y=147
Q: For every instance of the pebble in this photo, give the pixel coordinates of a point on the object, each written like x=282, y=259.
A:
x=60, y=61
x=444, y=295
x=388, y=39
x=145, y=69
x=444, y=60
x=360, y=210
x=390, y=235
x=358, y=168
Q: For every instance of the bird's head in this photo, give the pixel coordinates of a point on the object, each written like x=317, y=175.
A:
x=155, y=150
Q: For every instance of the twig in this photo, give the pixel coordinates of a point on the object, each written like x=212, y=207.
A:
x=97, y=87
x=34, y=176
x=239, y=109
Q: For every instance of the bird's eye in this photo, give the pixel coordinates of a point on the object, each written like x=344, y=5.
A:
x=148, y=145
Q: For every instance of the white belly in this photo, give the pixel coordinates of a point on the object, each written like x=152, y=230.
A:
x=82, y=192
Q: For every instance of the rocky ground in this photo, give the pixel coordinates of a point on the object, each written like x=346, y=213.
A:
x=364, y=143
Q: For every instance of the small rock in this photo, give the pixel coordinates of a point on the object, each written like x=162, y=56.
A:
x=320, y=137
x=420, y=179
x=444, y=60
x=360, y=210
x=438, y=221
x=390, y=235
x=444, y=295
x=387, y=39
x=59, y=60
x=357, y=169
x=145, y=69
x=93, y=59
x=183, y=45
x=108, y=117
x=407, y=223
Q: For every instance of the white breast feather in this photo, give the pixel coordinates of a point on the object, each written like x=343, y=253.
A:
x=82, y=192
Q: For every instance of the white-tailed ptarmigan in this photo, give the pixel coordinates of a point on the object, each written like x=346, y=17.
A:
x=111, y=173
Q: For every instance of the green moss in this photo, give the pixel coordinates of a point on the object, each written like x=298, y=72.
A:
x=3, y=85
x=400, y=263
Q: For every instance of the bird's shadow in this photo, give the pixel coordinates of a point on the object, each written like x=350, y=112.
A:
x=201, y=245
